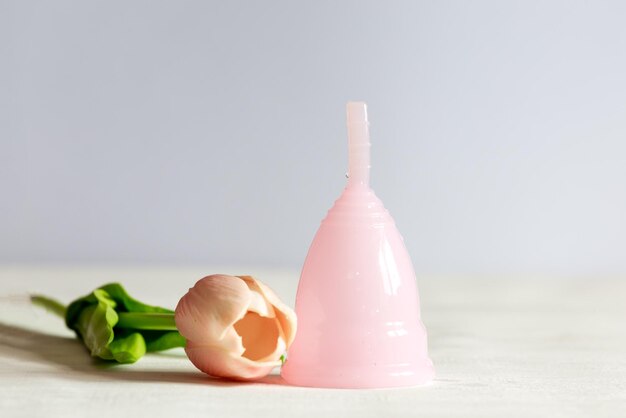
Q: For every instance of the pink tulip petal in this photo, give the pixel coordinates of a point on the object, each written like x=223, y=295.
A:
x=280, y=349
x=259, y=335
x=259, y=305
x=285, y=315
x=211, y=307
x=221, y=363
x=232, y=341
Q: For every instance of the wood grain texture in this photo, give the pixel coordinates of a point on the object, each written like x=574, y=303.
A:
x=503, y=346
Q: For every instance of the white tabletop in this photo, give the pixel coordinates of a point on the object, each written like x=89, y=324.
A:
x=504, y=346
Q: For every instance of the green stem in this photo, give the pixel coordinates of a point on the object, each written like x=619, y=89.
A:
x=52, y=305
x=148, y=321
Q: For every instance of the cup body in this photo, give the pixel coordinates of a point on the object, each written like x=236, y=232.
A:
x=357, y=304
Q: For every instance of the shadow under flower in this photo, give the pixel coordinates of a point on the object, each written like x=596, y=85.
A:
x=69, y=354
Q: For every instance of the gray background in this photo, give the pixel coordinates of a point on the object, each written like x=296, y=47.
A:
x=213, y=132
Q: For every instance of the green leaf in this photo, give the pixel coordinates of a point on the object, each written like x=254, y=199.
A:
x=118, y=293
x=128, y=349
x=160, y=341
x=94, y=318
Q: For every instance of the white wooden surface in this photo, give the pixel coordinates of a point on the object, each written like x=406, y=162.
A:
x=503, y=347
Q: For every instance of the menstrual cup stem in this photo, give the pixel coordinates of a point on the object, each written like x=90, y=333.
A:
x=358, y=144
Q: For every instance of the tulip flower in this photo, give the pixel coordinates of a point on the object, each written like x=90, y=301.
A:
x=235, y=326
x=230, y=326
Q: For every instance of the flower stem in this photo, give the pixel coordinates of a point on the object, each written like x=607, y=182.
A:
x=146, y=320
x=52, y=305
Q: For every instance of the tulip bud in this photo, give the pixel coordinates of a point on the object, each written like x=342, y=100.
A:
x=235, y=326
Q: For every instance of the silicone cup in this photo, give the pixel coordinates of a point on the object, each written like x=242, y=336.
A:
x=357, y=304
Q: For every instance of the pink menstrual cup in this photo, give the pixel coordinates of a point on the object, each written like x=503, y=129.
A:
x=358, y=308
